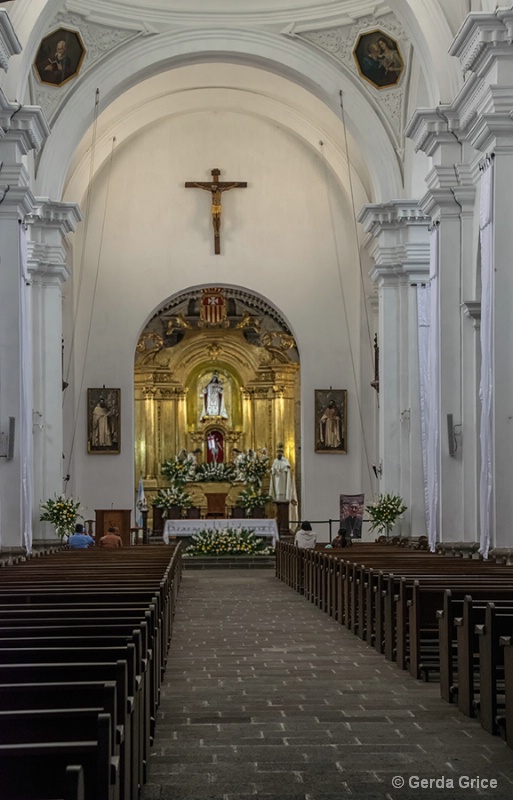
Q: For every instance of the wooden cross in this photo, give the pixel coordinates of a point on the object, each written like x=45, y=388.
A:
x=216, y=187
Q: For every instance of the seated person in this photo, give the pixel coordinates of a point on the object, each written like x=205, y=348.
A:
x=80, y=540
x=112, y=539
x=305, y=537
x=342, y=539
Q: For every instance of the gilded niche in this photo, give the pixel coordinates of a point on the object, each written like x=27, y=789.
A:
x=226, y=368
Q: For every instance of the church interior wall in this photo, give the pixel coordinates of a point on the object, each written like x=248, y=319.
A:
x=289, y=236
x=150, y=238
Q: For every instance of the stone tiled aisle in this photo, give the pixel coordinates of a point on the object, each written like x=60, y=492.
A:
x=266, y=696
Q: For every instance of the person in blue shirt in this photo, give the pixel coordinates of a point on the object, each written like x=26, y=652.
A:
x=80, y=540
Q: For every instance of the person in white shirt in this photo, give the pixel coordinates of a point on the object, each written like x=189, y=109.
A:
x=305, y=537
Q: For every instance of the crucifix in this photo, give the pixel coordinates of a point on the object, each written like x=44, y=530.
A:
x=216, y=187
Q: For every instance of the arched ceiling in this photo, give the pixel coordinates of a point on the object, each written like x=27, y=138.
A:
x=286, y=38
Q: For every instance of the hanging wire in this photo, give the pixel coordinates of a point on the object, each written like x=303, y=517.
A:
x=341, y=281
x=355, y=225
x=86, y=230
x=344, y=304
x=93, y=301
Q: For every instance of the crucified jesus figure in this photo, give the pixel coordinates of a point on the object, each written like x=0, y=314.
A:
x=216, y=187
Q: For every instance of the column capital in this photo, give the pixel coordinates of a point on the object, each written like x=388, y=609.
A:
x=24, y=127
x=376, y=217
x=397, y=240
x=9, y=42
x=49, y=223
x=451, y=192
x=490, y=124
x=482, y=39
x=53, y=214
x=433, y=131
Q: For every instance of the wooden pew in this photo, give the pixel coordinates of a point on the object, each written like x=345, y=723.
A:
x=458, y=643
x=53, y=596
x=498, y=623
x=41, y=764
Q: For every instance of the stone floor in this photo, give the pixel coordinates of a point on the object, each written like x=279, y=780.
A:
x=266, y=696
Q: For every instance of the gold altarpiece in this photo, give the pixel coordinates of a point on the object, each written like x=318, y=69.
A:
x=261, y=394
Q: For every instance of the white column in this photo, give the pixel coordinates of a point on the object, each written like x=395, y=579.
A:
x=48, y=225
x=450, y=201
x=20, y=133
x=397, y=240
x=484, y=105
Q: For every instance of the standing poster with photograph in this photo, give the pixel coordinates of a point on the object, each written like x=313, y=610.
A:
x=351, y=514
x=103, y=421
x=330, y=420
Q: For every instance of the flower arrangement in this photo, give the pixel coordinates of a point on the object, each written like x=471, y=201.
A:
x=166, y=498
x=253, y=469
x=217, y=473
x=252, y=497
x=385, y=511
x=62, y=512
x=176, y=470
x=226, y=541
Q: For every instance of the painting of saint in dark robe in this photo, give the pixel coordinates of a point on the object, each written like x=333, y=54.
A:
x=378, y=59
x=103, y=421
x=59, y=57
x=330, y=420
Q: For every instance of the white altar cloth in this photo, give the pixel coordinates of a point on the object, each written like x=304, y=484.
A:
x=186, y=527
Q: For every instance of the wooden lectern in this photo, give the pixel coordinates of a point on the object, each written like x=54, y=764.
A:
x=113, y=517
x=282, y=517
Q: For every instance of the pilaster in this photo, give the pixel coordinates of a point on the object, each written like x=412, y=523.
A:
x=484, y=105
x=450, y=201
x=21, y=130
x=9, y=43
x=397, y=240
x=49, y=223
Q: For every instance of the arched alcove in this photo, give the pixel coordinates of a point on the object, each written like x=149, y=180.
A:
x=222, y=337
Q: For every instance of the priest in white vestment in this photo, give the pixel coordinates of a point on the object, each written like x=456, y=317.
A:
x=281, y=479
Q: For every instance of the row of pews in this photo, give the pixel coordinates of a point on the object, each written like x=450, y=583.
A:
x=440, y=617
x=84, y=637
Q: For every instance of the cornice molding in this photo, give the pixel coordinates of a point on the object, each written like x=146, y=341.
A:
x=482, y=39
x=431, y=128
x=25, y=126
x=18, y=202
x=46, y=263
x=375, y=217
x=60, y=216
x=9, y=42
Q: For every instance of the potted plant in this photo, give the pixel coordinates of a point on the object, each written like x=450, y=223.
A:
x=176, y=470
x=173, y=501
x=252, y=469
x=62, y=513
x=384, y=513
x=251, y=499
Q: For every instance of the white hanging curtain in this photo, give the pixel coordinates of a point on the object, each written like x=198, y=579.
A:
x=486, y=226
x=423, y=313
x=433, y=395
x=26, y=444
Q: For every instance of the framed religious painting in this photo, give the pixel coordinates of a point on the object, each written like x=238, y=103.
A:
x=330, y=420
x=103, y=421
x=351, y=514
x=378, y=59
x=59, y=57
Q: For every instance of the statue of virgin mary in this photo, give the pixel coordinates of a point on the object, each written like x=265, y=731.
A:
x=213, y=399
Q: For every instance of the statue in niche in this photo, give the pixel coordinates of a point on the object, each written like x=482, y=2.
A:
x=213, y=399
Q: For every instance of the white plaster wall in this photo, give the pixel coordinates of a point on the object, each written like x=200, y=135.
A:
x=289, y=237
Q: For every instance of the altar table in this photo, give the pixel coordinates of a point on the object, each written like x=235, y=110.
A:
x=186, y=527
